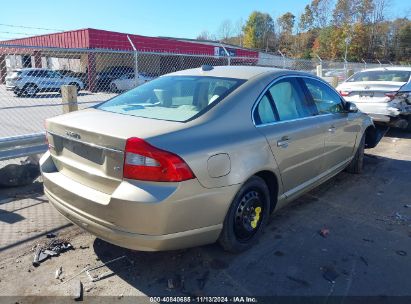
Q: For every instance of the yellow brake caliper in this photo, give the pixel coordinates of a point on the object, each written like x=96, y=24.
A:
x=256, y=217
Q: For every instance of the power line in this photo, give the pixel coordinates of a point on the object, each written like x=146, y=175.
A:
x=16, y=33
x=31, y=27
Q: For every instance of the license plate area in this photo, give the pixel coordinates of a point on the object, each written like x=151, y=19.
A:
x=93, y=154
x=366, y=94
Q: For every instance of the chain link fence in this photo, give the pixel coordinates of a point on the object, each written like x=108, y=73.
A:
x=31, y=77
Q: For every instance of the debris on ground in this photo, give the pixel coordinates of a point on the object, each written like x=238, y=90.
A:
x=407, y=206
x=84, y=247
x=170, y=284
x=364, y=260
x=401, y=252
x=59, y=271
x=299, y=281
x=97, y=277
x=14, y=175
x=203, y=280
x=78, y=291
x=324, y=232
x=51, y=235
x=52, y=249
x=329, y=273
x=176, y=282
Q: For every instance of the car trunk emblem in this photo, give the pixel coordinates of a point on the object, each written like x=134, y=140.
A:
x=72, y=134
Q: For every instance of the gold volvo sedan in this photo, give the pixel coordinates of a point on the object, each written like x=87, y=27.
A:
x=200, y=155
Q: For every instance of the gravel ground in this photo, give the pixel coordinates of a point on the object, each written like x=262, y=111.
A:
x=366, y=253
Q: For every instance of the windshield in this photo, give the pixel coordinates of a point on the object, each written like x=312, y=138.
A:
x=176, y=98
x=387, y=75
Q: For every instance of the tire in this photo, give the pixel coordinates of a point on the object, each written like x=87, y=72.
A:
x=244, y=222
x=30, y=90
x=356, y=165
x=76, y=85
x=113, y=87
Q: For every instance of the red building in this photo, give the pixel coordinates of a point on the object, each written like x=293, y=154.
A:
x=98, y=49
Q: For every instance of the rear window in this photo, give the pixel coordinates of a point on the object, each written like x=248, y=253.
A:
x=387, y=75
x=175, y=98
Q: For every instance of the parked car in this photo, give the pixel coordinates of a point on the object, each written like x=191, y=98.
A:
x=382, y=93
x=106, y=76
x=80, y=75
x=30, y=81
x=339, y=73
x=128, y=82
x=200, y=155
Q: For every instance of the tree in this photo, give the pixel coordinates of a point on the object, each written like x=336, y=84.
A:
x=225, y=30
x=205, y=35
x=343, y=12
x=306, y=19
x=321, y=10
x=257, y=30
x=286, y=23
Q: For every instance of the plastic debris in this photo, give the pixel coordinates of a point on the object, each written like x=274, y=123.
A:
x=54, y=248
x=78, y=291
x=51, y=235
x=401, y=252
x=324, y=232
x=59, y=271
x=93, y=277
x=329, y=273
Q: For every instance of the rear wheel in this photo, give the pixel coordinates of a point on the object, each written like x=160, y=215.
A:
x=113, y=87
x=30, y=89
x=77, y=86
x=357, y=163
x=247, y=216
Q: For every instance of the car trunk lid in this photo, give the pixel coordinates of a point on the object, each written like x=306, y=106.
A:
x=368, y=91
x=88, y=146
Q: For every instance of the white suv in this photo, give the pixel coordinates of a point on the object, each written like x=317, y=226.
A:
x=31, y=81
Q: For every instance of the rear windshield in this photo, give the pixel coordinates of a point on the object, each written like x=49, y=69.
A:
x=175, y=98
x=387, y=75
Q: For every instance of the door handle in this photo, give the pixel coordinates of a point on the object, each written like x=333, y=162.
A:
x=331, y=129
x=283, y=142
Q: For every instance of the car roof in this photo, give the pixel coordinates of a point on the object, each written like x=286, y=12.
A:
x=239, y=72
x=388, y=69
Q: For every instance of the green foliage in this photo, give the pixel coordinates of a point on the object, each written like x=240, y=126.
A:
x=256, y=29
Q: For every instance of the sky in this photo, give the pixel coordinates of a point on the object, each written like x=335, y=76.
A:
x=177, y=18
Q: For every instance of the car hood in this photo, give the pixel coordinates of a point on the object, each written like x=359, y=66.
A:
x=389, y=86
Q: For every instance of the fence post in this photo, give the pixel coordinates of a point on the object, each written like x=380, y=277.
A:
x=135, y=58
x=69, y=98
x=320, y=70
x=283, y=56
x=334, y=81
x=3, y=69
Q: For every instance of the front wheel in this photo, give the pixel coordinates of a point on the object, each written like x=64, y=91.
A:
x=357, y=163
x=247, y=216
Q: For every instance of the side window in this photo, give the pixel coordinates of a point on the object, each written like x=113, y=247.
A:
x=264, y=113
x=289, y=100
x=325, y=99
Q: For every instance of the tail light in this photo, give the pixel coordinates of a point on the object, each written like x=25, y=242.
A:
x=344, y=93
x=143, y=161
x=391, y=95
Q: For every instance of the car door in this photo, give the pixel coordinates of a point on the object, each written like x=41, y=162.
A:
x=288, y=120
x=341, y=129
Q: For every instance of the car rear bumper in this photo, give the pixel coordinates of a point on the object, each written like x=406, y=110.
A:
x=172, y=241
x=139, y=217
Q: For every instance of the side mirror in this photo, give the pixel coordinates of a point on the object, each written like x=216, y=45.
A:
x=350, y=107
